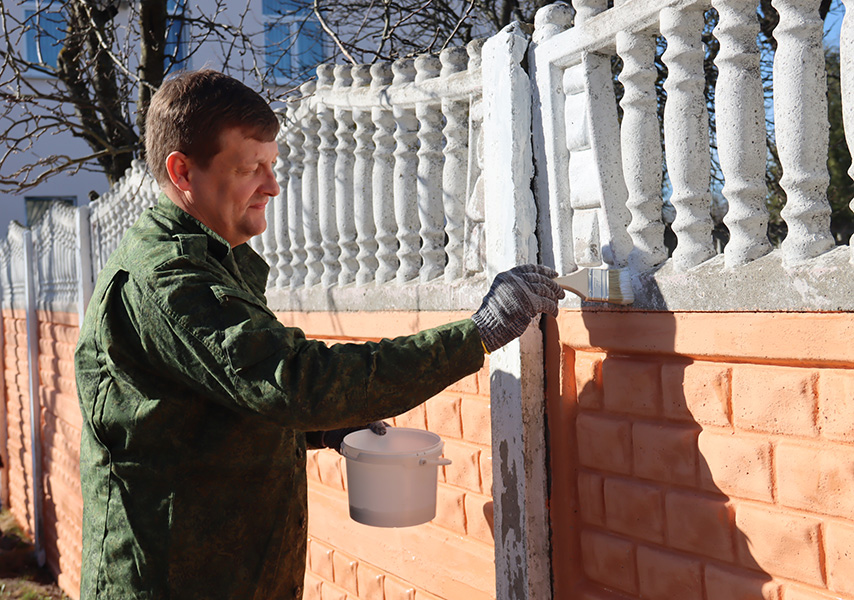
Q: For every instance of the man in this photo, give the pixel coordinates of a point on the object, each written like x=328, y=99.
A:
x=196, y=400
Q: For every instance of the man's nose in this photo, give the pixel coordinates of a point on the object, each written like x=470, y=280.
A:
x=270, y=186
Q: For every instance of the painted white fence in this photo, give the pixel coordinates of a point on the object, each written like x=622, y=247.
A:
x=599, y=181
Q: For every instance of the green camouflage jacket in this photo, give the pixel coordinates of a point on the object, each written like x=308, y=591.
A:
x=195, y=399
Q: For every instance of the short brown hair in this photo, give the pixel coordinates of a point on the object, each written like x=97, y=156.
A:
x=190, y=111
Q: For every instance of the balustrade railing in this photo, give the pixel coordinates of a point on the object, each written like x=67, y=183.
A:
x=587, y=157
x=376, y=173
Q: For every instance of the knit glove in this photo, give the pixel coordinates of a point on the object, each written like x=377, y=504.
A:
x=334, y=437
x=515, y=298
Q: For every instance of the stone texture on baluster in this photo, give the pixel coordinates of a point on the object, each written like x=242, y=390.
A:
x=430, y=158
x=344, y=197
x=846, y=70
x=283, y=171
x=362, y=174
x=475, y=51
x=455, y=169
x=686, y=135
x=585, y=9
x=294, y=202
x=405, y=179
x=740, y=116
x=801, y=128
x=310, y=215
x=326, y=186
x=268, y=243
x=474, y=250
x=382, y=181
x=641, y=146
x=551, y=20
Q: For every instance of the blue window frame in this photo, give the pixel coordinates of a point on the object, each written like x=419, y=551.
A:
x=293, y=40
x=177, y=37
x=45, y=32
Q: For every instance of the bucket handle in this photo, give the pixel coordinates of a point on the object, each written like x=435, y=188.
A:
x=434, y=461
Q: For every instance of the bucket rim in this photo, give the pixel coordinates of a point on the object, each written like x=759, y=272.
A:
x=353, y=452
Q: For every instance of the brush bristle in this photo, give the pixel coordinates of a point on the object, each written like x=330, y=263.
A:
x=620, y=287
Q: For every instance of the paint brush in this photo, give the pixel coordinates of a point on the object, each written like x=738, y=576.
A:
x=599, y=285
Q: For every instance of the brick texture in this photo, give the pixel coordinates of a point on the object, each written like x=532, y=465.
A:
x=666, y=575
x=779, y=543
x=699, y=524
x=781, y=400
x=839, y=539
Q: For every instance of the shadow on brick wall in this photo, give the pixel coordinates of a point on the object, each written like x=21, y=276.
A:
x=634, y=507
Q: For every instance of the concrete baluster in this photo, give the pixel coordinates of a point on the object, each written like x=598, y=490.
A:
x=801, y=128
x=296, y=234
x=344, y=163
x=382, y=181
x=310, y=215
x=740, y=115
x=585, y=9
x=362, y=174
x=474, y=247
x=430, y=166
x=405, y=179
x=641, y=148
x=686, y=135
x=268, y=243
x=283, y=169
x=326, y=185
x=455, y=169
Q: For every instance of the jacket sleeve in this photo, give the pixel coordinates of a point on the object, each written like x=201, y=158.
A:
x=224, y=342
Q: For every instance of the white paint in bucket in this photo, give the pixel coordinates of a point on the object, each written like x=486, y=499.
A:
x=391, y=478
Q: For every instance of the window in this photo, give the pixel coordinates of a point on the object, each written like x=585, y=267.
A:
x=293, y=40
x=177, y=37
x=45, y=30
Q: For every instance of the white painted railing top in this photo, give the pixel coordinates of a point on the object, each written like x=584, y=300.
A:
x=599, y=180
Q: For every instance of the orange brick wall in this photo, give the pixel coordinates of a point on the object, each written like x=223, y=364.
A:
x=703, y=456
x=452, y=557
x=60, y=431
x=713, y=456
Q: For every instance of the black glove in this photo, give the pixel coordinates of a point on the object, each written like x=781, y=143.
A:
x=516, y=297
x=334, y=437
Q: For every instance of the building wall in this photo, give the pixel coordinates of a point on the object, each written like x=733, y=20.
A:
x=702, y=455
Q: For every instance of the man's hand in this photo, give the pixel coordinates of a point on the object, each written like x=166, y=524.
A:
x=333, y=438
x=516, y=297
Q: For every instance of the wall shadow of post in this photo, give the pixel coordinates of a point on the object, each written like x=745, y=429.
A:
x=635, y=512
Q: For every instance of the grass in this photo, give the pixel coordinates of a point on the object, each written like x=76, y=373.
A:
x=20, y=576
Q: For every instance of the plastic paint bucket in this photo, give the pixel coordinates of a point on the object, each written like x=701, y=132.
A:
x=391, y=478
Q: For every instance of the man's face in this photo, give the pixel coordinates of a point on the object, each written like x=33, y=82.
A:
x=230, y=194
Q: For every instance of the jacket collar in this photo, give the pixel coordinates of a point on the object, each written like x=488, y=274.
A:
x=242, y=261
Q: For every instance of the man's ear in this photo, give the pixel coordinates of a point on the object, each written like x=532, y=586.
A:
x=178, y=167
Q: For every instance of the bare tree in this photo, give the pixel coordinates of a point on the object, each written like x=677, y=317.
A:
x=90, y=67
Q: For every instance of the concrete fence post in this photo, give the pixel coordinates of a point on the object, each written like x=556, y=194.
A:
x=35, y=405
x=520, y=492
x=85, y=278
